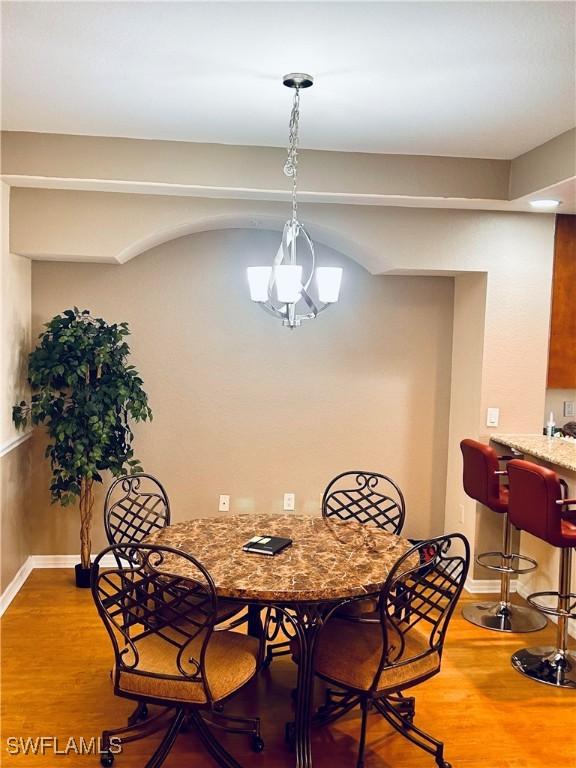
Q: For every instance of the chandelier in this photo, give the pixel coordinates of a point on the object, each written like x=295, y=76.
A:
x=290, y=290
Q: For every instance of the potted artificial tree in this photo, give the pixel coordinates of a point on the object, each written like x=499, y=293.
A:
x=85, y=394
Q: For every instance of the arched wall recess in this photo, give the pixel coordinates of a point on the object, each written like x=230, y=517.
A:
x=63, y=225
x=258, y=221
x=509, y=307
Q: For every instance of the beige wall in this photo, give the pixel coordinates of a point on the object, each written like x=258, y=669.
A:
x=514, y=251
x=217, y=170
x=15, y=326
x=15, y=314
x=238, y=171
x=545, y=165
x=15, y=511
x=245, y=407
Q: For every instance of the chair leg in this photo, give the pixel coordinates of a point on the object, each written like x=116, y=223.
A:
x=131, y=732
x=234, y=724
x=362, y=744
x=337, y=704
x=406, y=728
x=405, y=705
x=167, y=742
x=140, y=713
x=213, y=746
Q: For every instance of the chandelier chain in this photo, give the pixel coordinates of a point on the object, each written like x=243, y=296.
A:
x=291, y=165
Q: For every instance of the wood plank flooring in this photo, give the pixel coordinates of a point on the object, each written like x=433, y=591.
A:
x=55, y=681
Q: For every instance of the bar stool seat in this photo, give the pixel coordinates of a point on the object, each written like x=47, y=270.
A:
x=539, y=507
x=481, y=479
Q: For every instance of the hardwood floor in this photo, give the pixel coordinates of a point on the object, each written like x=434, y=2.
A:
x=55, y=680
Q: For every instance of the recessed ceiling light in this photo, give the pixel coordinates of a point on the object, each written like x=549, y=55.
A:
x=545, y=205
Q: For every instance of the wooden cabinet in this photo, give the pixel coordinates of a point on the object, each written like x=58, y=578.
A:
x=562, y=353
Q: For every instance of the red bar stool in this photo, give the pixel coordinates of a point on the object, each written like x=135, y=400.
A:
x=537, y=506
x=482, y=483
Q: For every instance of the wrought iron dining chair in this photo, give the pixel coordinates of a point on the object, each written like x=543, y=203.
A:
x=372, y=499
x=372, y=665
x=135, y=507
x=369, y=498
x=159, y=609
x=364, y=497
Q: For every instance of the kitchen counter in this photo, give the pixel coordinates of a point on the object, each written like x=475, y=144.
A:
x=553, y=450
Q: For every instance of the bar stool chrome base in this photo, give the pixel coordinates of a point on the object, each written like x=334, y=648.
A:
x=503, y=617
x=547, y=665
x=553, y=666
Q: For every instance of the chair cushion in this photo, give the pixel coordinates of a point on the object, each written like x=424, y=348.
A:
x=349, y=653
x=231, y=660
x=360, y=609
x=227, y=609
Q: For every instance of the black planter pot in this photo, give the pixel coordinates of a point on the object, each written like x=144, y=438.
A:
x=83, y=576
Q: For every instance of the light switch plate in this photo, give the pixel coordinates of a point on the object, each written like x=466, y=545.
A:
x=492, y=417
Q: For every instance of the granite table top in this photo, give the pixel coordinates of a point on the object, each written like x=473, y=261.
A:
x=327, y=561
x=554, y=450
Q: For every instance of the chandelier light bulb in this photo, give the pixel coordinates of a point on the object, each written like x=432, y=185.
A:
x=259, y=280
x=288, y=283
x=328, y=281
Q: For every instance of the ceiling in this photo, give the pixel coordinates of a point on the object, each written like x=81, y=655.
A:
x=470, y=79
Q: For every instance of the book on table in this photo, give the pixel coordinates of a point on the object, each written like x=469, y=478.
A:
x=266, y=545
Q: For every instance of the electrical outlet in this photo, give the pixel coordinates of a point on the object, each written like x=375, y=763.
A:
x=492, y=417
x=289, y=502
x=569, y=408
x=224, y=503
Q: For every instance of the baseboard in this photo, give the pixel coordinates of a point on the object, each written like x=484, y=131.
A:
x=14, y=442
x=65, y=561
x=487, y=586
x=41, y=561
x=15, y=585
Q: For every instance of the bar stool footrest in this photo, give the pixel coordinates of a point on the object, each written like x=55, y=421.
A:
x=481, y=560
x=533, y=600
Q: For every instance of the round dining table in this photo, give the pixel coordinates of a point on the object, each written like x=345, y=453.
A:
x=330, y=562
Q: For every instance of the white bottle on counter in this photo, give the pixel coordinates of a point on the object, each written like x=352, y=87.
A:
x=551, y=425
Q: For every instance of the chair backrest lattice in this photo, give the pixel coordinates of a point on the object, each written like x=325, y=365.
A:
x=369, y=498
x=135, y=506
x=418, y=599
x=163, y=594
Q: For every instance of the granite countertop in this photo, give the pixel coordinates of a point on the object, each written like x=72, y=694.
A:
x=554, y=450
x=328, y=559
